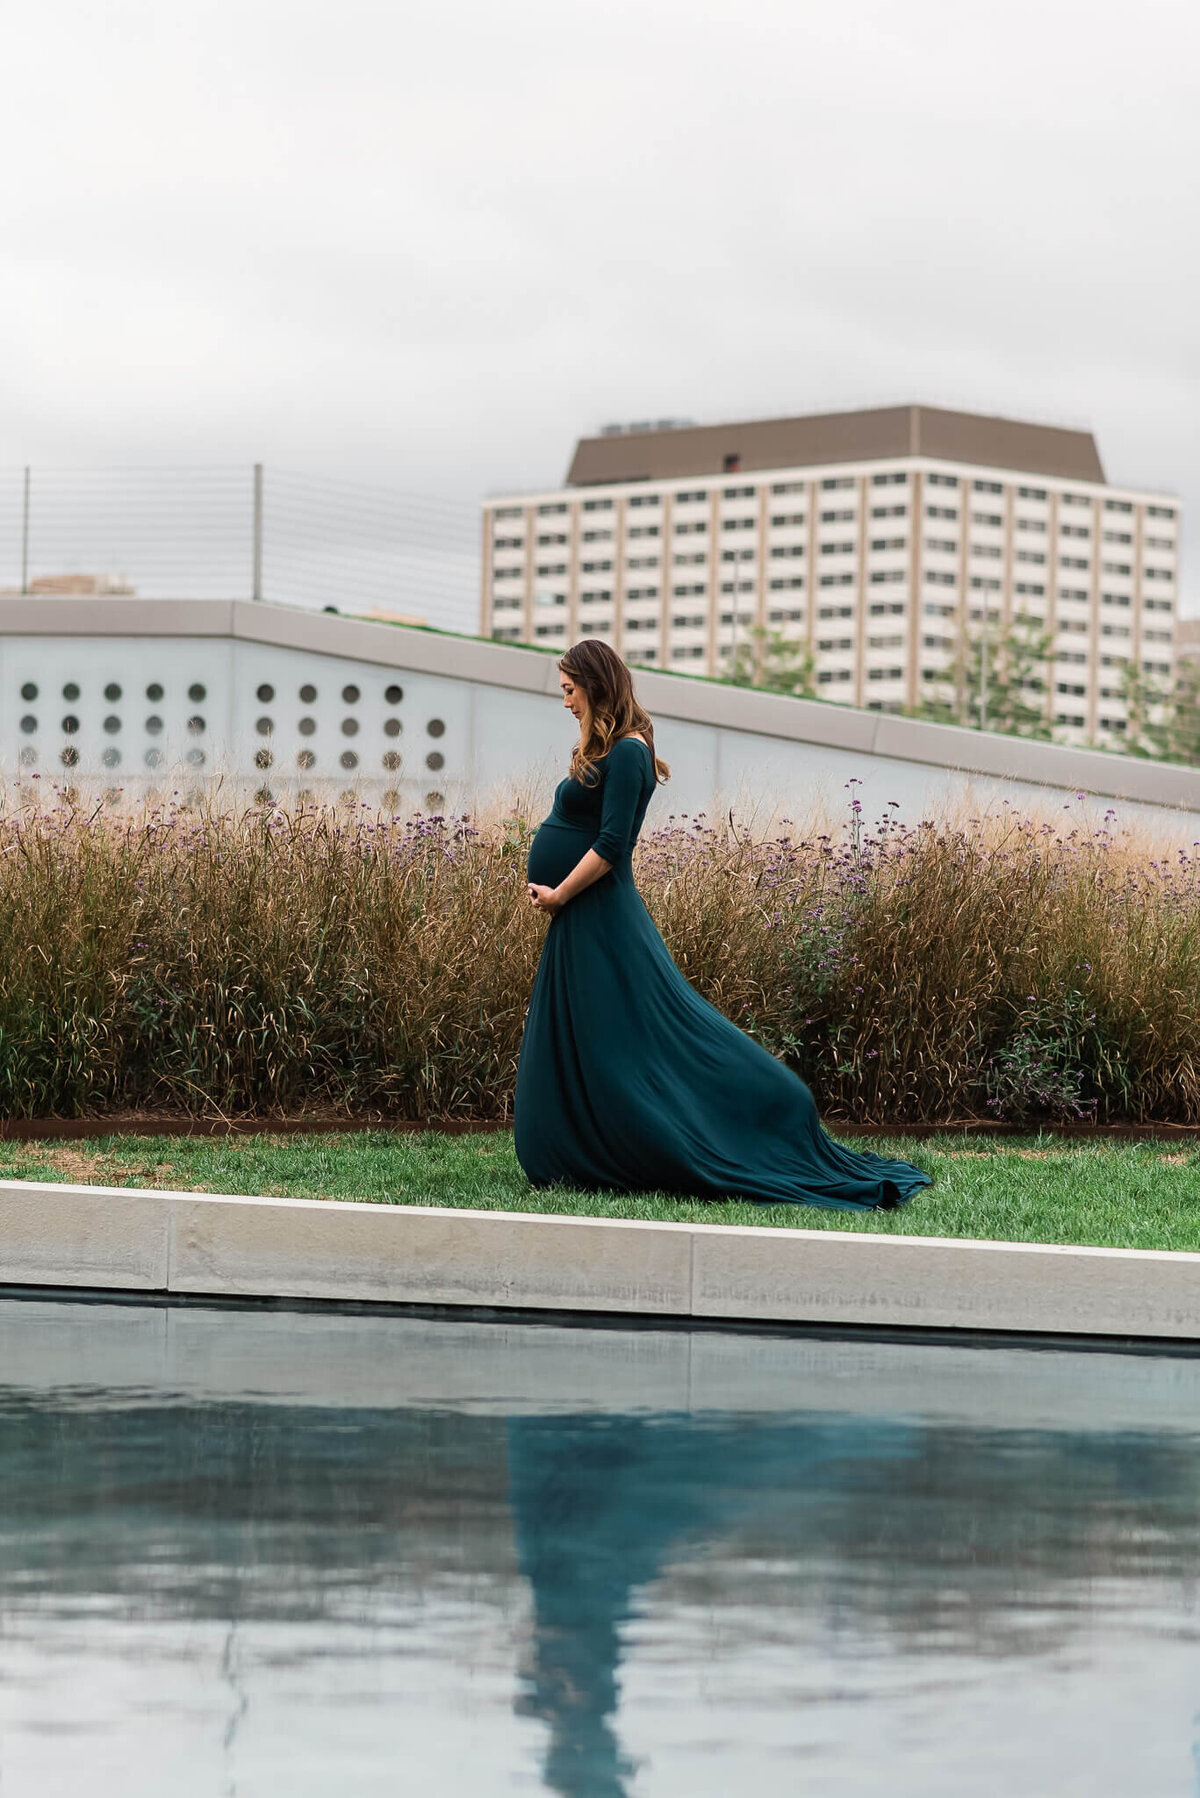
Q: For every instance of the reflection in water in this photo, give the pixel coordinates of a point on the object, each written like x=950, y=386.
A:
x=949, y=1592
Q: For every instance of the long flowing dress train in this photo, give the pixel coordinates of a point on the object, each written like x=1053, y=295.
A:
x=628, y=1079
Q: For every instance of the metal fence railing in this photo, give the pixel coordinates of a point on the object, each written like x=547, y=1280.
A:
x=239, y=533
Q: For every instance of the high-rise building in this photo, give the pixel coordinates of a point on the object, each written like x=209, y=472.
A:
x=886, y=542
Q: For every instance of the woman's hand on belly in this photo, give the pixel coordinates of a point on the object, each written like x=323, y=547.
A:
x=545, y=899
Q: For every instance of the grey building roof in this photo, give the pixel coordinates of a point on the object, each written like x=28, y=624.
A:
x=878, y=435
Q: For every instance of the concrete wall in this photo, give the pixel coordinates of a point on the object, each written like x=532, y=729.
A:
x=494, y=716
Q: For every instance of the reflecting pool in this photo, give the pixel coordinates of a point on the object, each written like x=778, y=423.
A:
x=248, y=1552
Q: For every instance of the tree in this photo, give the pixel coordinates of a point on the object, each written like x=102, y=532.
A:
x=1002, y=689
x=1149, y=710
x=1183, y=721
x=773, y=661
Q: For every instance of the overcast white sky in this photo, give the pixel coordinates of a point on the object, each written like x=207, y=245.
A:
x=432, y=244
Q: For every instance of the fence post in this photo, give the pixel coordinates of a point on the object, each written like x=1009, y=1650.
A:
x=256, y=589
x=25, y=536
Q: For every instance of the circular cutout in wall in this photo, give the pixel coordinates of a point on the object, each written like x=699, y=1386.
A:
x=436, y=727
x=393, y=695
x=29, y=690
x=266, y=694
x=154, y=692
x=112, y=692
x=307, y=694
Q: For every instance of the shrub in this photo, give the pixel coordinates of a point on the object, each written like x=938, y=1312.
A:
x=257, y=961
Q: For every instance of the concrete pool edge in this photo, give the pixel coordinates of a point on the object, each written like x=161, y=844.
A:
x=138, y=1239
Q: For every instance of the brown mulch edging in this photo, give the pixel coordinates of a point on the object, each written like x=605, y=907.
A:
x=143, y=1124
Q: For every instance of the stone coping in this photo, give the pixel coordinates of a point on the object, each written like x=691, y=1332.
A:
x=142, y=1240
x=706, y=702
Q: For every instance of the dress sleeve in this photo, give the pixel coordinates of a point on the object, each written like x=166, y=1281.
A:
x=622, y=791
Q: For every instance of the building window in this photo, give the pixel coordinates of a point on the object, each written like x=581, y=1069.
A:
x=837, y=580
x=1033, y=589
x=833, y=482
x=782, y=551
x=945, y=546
x=837, y=549
x=644, y=530
x=550, y=511
x=597, y=505
x=1031, y=493
x=943, y=480
x=1030, y=555
x=889, y=480
x=644, y=499
x=882, y=576
x=785, y=581
x=1118, y=505
x=509, y=512
x=693, y=497
x=1160, y=512
x=893, y=608
x=844, y=516
x=781, y=519
x=738, y=524
x=737, y=493
x=781, y=487
x=938, y=578
x=988, y=486
x=827, y=612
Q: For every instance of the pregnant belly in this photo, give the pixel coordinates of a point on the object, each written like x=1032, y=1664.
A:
x=556, y=849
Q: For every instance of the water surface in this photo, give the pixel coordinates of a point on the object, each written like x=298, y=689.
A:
x=246, y=1553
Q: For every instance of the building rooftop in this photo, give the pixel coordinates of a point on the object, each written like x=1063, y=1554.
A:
x=881, y=434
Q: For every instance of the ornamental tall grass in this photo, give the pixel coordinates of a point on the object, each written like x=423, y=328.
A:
x=248, y=960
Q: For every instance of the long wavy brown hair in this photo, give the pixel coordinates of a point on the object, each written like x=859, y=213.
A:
x=613, y=709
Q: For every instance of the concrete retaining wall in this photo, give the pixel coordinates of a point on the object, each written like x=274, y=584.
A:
x=117, y=1239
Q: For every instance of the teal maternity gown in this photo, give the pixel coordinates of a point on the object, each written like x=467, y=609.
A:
x=628, y=1079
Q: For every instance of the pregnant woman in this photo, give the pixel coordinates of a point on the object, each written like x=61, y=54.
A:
x=628, y=1079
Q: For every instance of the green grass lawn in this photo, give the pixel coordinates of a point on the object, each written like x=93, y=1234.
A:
x=1034, y=1189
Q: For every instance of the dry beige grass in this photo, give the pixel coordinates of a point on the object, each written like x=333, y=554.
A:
x=233, y=961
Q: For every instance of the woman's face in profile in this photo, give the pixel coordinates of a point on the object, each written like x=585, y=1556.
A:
x=574, y=698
